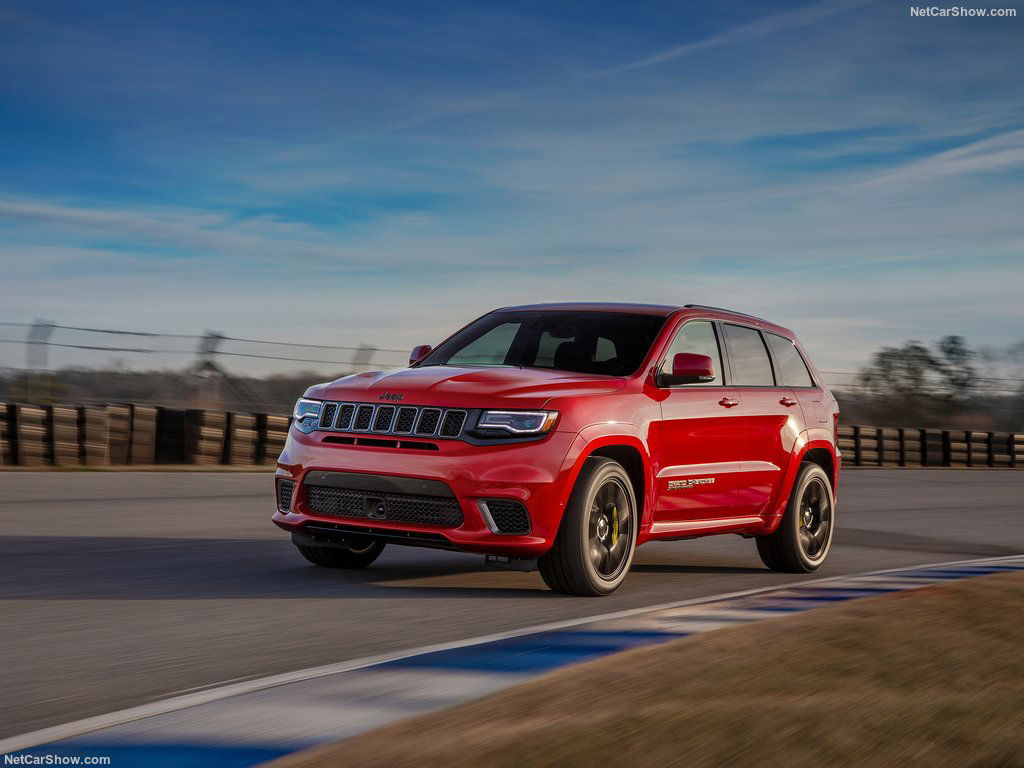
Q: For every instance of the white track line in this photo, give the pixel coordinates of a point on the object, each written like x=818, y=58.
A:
x=175, y=703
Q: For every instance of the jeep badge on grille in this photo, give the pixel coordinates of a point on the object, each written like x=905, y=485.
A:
x=390, y=396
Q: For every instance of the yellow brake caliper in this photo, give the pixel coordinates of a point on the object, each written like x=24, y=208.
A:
x=615, y=524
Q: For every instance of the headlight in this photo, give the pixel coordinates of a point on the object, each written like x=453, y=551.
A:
x=518, y=422
x=305, y=414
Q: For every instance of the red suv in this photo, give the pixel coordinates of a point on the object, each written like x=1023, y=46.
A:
x=562, y=436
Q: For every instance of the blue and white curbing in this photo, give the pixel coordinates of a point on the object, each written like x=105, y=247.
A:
x=250, y=722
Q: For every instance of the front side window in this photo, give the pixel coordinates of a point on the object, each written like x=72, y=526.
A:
x=698, y=338
x=751, y=366
x=608, y=343
x=792, y=368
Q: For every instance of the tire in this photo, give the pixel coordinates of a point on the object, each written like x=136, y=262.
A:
x=596, y=540
x=358, y=556
x=802, y=541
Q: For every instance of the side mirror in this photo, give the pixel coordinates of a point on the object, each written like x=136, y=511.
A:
x=688, y=368
x=418, y=353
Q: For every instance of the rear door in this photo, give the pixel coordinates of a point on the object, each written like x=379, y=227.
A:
x=698, y=437
x=792, y=371
x=771, y=419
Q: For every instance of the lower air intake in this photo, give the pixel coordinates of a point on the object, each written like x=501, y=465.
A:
x=391, y=507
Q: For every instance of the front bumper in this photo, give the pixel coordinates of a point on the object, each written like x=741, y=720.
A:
x=537, y=474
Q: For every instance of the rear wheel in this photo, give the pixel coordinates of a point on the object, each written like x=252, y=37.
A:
x=804, y=536
x=594, y=547
x=362, y=552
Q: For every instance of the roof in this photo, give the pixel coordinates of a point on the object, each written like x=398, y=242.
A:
x=658, y=310
x=597, y=306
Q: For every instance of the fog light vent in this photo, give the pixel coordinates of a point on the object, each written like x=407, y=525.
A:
x=285, y=489
x=505, y=516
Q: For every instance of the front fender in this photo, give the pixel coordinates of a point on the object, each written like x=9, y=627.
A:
x=598, y=436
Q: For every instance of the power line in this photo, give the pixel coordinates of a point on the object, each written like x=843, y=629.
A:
x=192, y=352
x=192, y=336
x=78, y=346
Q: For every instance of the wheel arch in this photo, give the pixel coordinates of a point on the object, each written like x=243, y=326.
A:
x=823, y=458
x=633, y=462
x=628, y=450
x=820, y=452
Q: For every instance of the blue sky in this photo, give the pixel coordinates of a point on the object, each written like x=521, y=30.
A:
x=385, y=172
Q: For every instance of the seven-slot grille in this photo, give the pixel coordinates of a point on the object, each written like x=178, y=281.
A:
x=392, y=419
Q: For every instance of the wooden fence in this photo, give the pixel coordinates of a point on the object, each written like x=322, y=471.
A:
x=128, y=434
x=907, y=447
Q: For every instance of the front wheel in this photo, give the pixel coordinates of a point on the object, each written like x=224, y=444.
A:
x=359, y=555
x=595, y=543
x=804, y=536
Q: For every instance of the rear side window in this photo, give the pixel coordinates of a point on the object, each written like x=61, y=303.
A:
x=792, y=368
x=697, y=338
x=751, y=366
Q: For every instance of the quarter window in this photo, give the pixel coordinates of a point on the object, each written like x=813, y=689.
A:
x=751, y=366
x=697, y=338
x=792, y=367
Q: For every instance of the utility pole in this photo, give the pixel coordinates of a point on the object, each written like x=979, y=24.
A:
x=361, y=358
x=36, y=345
x=37, y=348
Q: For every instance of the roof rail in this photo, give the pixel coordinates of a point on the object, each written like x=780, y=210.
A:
x=723, y=309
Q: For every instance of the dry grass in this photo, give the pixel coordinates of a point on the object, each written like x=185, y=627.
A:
x=933, y=677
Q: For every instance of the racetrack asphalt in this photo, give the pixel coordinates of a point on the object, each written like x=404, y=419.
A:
x=122, y=588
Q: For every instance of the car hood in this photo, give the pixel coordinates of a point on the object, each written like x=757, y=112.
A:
x=465, y=387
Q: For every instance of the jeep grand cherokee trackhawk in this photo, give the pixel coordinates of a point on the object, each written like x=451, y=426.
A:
x=562, y=436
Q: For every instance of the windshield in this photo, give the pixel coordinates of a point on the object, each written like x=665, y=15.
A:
x=605, y=343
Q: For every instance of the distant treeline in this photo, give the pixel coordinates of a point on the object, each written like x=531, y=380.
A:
x=945, y=384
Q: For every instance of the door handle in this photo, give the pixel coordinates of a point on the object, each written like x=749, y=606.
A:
x=728, y=402
x=787, y=401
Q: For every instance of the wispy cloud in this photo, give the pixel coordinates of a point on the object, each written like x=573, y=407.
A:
x=804, y=16
x=1001, y=153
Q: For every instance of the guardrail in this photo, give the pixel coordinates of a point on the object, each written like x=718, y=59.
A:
x=131, y=434
x=863, y=446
